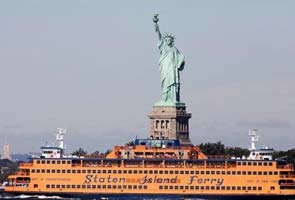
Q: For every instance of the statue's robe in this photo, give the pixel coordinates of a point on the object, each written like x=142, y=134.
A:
x=171, y=62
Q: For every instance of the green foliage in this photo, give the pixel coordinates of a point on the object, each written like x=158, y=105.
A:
x=218, y=148
x=79, y=152
x=289, y=155
x=7, y=168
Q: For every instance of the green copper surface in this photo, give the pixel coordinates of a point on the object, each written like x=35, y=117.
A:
x=171, y=63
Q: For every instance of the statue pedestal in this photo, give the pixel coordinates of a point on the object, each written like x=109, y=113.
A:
x=170, y=122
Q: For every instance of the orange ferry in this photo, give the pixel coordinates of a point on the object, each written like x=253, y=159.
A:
x=159, y=167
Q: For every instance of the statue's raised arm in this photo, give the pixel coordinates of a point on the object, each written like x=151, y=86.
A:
x=156, y=19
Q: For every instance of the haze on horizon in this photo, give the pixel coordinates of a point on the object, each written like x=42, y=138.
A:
x=92, y=67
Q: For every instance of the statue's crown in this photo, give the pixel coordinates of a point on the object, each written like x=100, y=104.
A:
x=168, y=35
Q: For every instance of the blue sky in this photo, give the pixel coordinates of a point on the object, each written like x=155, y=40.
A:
x=92, y=67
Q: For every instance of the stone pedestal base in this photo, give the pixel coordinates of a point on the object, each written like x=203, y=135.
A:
x=170, y=122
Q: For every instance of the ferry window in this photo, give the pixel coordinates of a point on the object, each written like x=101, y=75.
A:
x=202, y=187
x=43, y=171
x=227, y=187
x=57, y=186
x=254, y=163
x=83, y=186
x=223, y=172
x=109, y=171
x=134, y=171
x=144, y=187
x=217, y=187
x=140, y=171
x=249, y=163
x=259, y=173
x=238, y=172
x=99, y=171
x=275, y=173
x=181, y=172
x=130, y=186
x=78, y=171
x=83, y=171
x=73, y=171
x=88, y=171
x=176, y=187
x=264, y=173
x=202, y=172
x=212, y=172
x=239, y=163
x=43, y=161
x=155, y=171
x=254, y=188
x=93, y=171
x=186, y=172
x=222, y=187
x=233, y=173
x=160, y=187
x=33, y=171
x=217, y=172
x=114, y=171
x=129, y=171
x=73, y=186
x=53, y=171
x=58, y=171
x=119, y=171
x=270, y=173
x=48, y=171
x=105, y=171
x=239, y=188
x=145, y=171
x=150, y=171
x=207, y=172
x=259, y=188
x=249, y=188
x=265, y=164
x=63, y=186
x=212, y=187
x=140, y=187
x=104, y=186
x=254, y=173
x=38, y=170
x=78, y=186
x=99, y=186
x=186, y=187
x=244, y=163
x=192, y=172
x=58, y=162
x=48, y=162
x=197, y=172
x=233, y=187
x=176, y=172
x=244, y=173
x=228, y=172
x=166, y=172
x=38, y=161
x=135, y=187
x=88, y=186
x=47, y=186
x=181, y=187
x=124, y=186
x=160, y=172
x=270, y=164
x=68, y=162
x=53, y=162
x=191, y=187
x=68, y=186
x=52, y=186
x=244, y=188
x=63, y=171
x=272, y=188
x=259, y=163
x=249, y=173
x=63, y=162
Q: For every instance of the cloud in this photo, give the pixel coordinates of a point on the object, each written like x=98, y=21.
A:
x=265, y=124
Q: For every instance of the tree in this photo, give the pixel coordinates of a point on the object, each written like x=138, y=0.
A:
x=79, y=152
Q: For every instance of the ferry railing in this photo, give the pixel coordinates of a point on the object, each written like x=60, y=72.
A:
x=26, y=165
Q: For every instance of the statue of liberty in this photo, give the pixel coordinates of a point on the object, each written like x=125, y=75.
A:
x=171, y=62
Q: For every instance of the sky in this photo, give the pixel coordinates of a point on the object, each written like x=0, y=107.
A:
x=92, y=67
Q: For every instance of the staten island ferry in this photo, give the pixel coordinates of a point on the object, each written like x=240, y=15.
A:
x=155, y=167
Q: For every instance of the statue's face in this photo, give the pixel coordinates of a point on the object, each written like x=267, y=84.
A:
x=169, y=41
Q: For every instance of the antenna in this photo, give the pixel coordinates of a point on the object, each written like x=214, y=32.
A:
x=254, y=138
x=60, y=137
